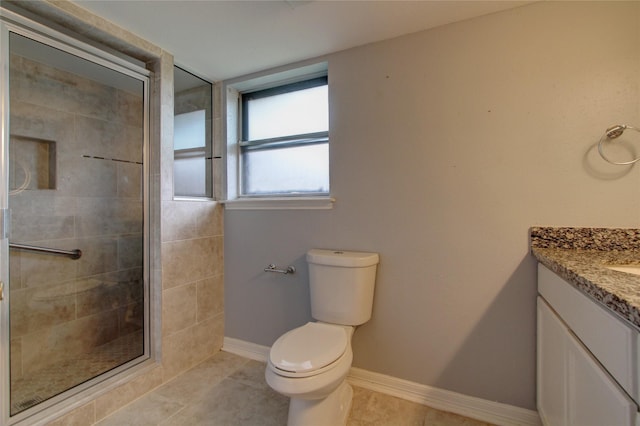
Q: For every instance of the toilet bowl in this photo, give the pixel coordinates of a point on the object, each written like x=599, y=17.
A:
x=309, y=364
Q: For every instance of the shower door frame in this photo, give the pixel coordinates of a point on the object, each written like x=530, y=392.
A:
x=11, y=22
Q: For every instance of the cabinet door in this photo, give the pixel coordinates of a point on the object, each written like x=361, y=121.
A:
x=573, y=389
x=594, y=398
x=551, y=347
x=612, y=342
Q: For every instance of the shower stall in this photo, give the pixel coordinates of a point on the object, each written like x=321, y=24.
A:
x=73, y=200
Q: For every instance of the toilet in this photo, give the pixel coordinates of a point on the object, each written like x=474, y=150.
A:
x=309, y=364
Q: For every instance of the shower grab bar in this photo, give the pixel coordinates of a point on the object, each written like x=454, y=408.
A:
x=73, y=254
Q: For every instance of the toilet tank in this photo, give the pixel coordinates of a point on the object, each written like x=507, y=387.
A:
x=341, y=284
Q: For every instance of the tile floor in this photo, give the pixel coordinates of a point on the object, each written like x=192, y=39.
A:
x=230, y=390
x=36, y=386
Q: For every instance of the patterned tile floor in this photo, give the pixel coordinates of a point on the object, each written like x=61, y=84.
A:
x=45, y=383
x=228, y=390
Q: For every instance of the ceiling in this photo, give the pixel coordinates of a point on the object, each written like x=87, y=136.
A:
x=224, y=39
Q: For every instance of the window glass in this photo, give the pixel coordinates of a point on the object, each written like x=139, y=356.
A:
x=305, y=171
x=190, y=175
x=189, y=130
x=299, y=112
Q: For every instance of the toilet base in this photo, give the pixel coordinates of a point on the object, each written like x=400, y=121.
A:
x=332, y=410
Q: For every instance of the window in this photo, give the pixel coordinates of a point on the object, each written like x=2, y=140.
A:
x=284, y=148
x=192, y=165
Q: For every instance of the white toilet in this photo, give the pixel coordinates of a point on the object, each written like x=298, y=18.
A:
x=309, y=364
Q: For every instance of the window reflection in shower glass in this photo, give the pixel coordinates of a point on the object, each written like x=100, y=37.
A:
x=76, y=138
x=192, y=140
x=190, y=155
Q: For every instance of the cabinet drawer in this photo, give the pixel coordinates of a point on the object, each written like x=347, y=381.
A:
x=614, y=343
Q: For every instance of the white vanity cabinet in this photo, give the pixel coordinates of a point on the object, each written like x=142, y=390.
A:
x=587, y=359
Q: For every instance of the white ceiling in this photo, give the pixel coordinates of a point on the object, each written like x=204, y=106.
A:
x=224, y=39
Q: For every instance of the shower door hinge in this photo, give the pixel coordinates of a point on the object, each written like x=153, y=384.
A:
x=1, y=291
x=5, y=220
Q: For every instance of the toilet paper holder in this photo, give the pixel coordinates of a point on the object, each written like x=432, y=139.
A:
x=273, y=268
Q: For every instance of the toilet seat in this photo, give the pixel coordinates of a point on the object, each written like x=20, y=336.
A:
x=309, y=349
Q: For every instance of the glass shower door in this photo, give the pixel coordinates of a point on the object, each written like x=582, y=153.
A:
x=77, y=220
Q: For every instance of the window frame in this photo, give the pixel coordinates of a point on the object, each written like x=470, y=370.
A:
x=231, y=108
x=297, y=140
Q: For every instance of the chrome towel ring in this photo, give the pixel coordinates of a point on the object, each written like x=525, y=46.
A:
x=614, y=132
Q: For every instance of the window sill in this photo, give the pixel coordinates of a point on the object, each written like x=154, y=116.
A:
x=284, y=203
x=185, y=198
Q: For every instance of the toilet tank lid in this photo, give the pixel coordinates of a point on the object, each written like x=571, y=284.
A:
x=353, y=259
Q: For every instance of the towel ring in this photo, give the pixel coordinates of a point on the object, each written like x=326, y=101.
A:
x=614, y=132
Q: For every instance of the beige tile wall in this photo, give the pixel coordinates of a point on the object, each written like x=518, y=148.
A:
x=192, y=283
x=192, y=266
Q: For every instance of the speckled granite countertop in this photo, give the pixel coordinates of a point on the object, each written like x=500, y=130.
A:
x=579, y=255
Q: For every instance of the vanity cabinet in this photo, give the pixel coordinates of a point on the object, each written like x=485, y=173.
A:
x=587, y=359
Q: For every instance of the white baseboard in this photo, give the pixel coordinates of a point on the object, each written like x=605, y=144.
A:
x=440, y=399
x=245, y=349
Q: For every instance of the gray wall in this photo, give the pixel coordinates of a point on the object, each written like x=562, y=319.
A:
x=446, y=146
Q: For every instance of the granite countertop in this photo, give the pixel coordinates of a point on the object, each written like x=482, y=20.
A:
x=580, y=256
